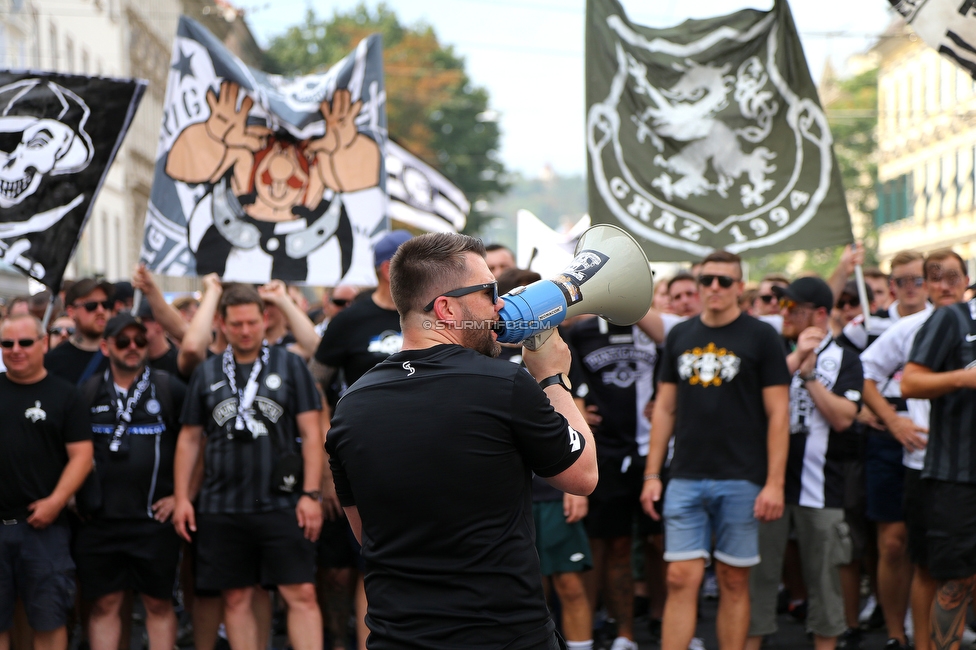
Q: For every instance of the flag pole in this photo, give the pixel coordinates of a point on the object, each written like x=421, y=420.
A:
x=862, y=293
x=48, y=310
x=136, y=299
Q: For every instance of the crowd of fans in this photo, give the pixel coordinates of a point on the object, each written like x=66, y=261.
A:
x=206, y=417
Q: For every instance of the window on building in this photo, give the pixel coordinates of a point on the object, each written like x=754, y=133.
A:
x=896, y=200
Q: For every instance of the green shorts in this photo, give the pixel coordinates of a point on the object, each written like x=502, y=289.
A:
x=563, y=548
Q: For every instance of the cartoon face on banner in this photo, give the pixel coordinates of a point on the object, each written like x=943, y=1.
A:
x=54, y=149
x=260, y=177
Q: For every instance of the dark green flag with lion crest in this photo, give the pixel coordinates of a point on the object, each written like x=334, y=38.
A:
x=709, y=135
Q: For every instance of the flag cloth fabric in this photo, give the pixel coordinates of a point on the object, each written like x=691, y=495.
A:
x=709, y=135
x=260, y=176
x=58, y=136
x=947, y=25
x=420, y=197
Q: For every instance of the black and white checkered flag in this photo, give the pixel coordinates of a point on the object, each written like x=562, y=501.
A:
x=420, y=197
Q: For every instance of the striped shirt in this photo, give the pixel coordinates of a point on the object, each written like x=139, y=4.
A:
x=944, y=343
x=238, y=466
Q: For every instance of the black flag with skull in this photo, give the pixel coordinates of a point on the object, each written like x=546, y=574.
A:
x=58, y=137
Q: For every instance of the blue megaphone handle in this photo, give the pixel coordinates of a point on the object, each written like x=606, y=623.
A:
x=540, y=306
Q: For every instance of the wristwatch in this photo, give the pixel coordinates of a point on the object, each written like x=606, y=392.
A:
x=313, y=494
x=560, y=379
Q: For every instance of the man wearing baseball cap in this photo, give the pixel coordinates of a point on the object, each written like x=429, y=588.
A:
x=825, y=395
x=128, y=542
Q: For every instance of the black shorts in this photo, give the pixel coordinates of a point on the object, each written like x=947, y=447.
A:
x=915, y=519
x=120, y=554
x=885, y=478
x=239, y=550
x=855, y=499
x=333, y=547
x=951, y=517
x=616, y=500
x=36, y=565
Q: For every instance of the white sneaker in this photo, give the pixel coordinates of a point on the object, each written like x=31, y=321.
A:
x=697, y=644
x=868, y=609
x=909, y=625
x=710, y=587
x=623, y=643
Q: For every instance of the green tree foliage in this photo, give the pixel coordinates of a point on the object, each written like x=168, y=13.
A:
x=433, y=109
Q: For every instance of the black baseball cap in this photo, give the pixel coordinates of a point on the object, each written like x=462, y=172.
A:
x=808, y=290
x=118, y=323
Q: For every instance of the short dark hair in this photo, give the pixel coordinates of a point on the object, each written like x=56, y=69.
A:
x=498, y=247
x=776, y=278
x=428, y=265
x=940, y=255
x=681, y=277
x=512, y=278
x=875, y=272
x=239, y=294
x=723, y=257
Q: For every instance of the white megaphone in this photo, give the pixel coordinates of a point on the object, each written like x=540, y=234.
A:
x=609, y=277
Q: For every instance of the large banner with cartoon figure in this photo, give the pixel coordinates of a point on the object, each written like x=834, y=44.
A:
x=260, y=176
x=58, y=136
x=709, y=135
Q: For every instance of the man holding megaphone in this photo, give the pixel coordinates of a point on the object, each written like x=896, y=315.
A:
x=432, y=453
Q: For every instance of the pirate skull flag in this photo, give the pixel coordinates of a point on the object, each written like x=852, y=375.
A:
x=260, y=176
x=947, y=25
x=709, y=135
x=58, y=136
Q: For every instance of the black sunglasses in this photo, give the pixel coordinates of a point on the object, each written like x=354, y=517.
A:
x=92, y=305
x=63, y=331
x=339, y=302
x=848, y=302
x=463, y=291
x=122, y=341
x=24, y=343
x=908, y=281
x=767, y=297
x=724, y=281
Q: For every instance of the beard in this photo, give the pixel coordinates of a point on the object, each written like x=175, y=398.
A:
x=480, y=339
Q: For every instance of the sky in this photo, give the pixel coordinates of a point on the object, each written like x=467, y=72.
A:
x=528, y=54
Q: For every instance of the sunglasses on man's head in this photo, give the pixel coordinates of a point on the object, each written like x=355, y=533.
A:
x=848, y=302
x=92, y=305
x=463, y=291
x=123, y=341
x=908, y=281
x=24, y=343
x=724, y=281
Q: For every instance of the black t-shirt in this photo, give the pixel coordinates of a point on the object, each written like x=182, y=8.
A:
x=947, y=341
x=617, y=364
x=69, y=362
x=36, y=422
x=237, y=465
x=359, y=337
x=134, y=479
x=167, y=362
x=720, y=429
x=436, y=449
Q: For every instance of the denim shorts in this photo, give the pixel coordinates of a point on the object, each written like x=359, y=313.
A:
x=695, y=509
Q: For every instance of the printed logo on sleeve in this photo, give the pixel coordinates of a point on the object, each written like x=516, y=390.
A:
x=575, y=444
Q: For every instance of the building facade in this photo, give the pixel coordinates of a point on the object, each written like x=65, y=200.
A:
x=926, y=149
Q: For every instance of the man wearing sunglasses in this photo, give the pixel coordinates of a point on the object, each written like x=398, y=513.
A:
x=129, y=542
x=824, y=397
x=45, y=455
x=89, y=303
x=442, y=502
x=723, y=387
